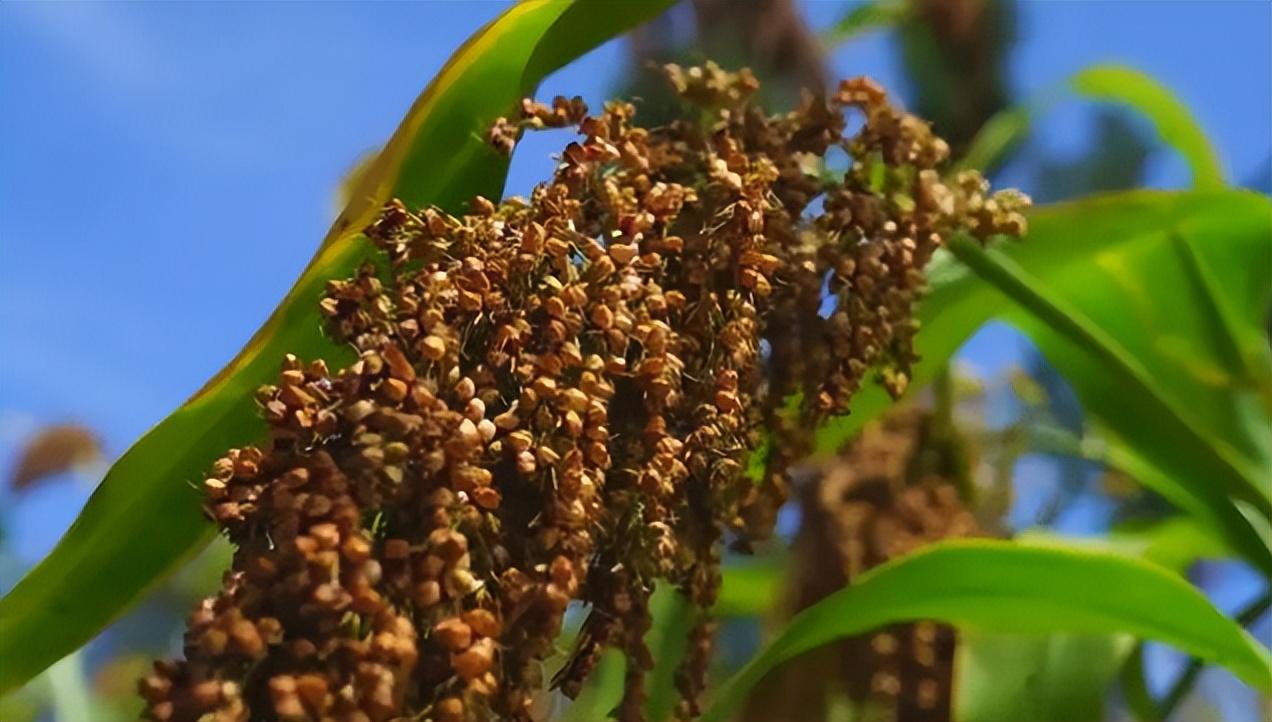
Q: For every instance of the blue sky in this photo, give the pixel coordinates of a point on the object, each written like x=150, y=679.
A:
x=167, y=169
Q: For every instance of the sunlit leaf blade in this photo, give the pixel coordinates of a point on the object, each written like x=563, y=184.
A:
x=1005, y=587
x=1189, y=415
x=1061, y=325
x=1116, y=84
x=144, y=519
x=1031, y=678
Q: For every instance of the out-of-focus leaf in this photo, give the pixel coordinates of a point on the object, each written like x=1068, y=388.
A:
x=1114, y=306
x=1172, y=119
x=144, y=519
x=52, y=450
x=115, y=687
x=1116, y=84
x=1183, y=684
x=1135, y=688
x=671, y=620
x=1006, y=587
x=864, y=18
x=1217, y=526
x=668, y=639
x=601, y=693
x=70, y=695
x=18, y=707
x=998, y=137
x=748, y=589
x=1033, y=678
x=352, y=179
x=1174, y=543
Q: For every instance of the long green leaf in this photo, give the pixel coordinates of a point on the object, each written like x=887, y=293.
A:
x=1112, y=303
x=1035, y=678
x=1066, y=677
x=1172, y=119
x=1061, y=322
x=998, y=586
x=144, y=519
x=1116, y=84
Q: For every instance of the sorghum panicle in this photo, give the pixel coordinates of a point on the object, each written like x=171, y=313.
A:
x=554, y=402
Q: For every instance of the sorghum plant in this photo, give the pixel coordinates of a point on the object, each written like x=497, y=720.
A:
x=555, y=400
x=891, y=492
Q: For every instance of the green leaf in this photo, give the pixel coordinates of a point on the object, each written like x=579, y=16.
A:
x=1001, y=134
x=1175, y=542
x=1032, y=678
x=1135, y=689
x=602, y=692
x=1004, y=587
x=1059, y=320
x=72, y=700
x=864, y=18
x=749, y=589
x=1066, y=676
x=1172, y=119
x=144, y=519
x=1103, y=289
x=1183, y=684
x=1116, y=84
x=668, y=640
x=1157, y=421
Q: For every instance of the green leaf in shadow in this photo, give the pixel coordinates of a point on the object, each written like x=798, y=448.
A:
x=144, y=518
x=1005, y=587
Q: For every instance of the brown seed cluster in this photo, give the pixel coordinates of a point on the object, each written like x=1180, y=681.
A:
x=888, y=495
x=554, y=401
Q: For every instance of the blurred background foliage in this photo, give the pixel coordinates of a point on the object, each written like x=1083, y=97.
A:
x=1000, y=445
